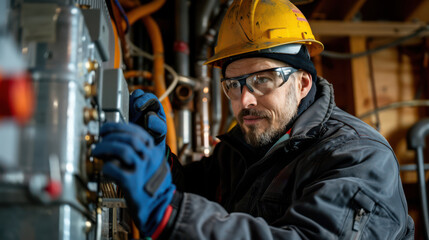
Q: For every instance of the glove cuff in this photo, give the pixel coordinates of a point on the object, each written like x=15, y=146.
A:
x=165, y=227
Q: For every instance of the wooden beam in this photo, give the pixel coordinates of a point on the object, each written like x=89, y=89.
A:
x=368, y=29
x=360, y=77
x=356, y=6
x=336, y=9
x=420, y=12
x=316, y=14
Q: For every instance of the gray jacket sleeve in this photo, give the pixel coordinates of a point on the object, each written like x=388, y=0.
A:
x=202, y=219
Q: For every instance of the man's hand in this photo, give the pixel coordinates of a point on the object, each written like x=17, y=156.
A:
x=139, y=167
x=147, y=111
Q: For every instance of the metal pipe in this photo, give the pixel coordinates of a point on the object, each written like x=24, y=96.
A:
x=203, y=107
x=422, y=190
x=184, y=94
x=204, y=10
x=216, y=103
x=416, y=139
x=181, y=47
x=205, y=33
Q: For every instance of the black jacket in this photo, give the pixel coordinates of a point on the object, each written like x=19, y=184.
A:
x=333, y=177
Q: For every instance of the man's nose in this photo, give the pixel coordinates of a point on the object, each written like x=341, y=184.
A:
x=247, y=98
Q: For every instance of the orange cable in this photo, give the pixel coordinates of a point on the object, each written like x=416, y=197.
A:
x=142, y=11
x=159, y=77
x=118, y=57
x=136, y=73
x=127, y=4
x=135, y=231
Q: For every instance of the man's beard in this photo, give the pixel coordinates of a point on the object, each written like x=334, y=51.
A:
x=258, y=137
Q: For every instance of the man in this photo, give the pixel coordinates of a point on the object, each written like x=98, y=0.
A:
x=295, y=166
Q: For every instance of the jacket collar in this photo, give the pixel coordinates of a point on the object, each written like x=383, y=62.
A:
x=318, y=113
x=307, y=125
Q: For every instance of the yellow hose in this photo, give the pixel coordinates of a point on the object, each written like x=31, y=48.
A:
x=159, y=78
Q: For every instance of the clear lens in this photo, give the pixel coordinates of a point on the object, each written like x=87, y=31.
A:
x=259, y=83
x=265, y=82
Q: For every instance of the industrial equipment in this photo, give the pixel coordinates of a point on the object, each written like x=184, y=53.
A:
x=68, y=66
x=50, y=186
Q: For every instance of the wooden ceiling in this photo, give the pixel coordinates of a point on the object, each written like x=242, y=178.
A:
x=366, y=10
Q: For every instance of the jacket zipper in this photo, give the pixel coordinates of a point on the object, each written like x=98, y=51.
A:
x=359, y=222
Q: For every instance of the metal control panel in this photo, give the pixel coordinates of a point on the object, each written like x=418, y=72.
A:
x=50, y=188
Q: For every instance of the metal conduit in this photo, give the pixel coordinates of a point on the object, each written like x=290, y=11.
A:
x=204, y=10
x=184, y=94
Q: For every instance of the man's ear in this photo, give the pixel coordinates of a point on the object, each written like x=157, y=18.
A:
x=305, y=83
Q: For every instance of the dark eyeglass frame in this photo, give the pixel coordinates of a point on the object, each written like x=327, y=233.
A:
x=284, y=71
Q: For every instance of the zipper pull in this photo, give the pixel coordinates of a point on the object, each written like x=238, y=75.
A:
x=357, y=219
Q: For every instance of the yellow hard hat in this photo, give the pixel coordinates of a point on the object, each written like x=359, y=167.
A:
x=254, y=25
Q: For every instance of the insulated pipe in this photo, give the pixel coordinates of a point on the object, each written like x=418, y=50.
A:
x=159, y=78
x=142, y=11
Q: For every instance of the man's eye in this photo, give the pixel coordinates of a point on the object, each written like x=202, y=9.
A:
x=262, y=80
x=233, y=84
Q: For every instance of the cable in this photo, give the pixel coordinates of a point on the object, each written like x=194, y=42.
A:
x=411, y=103
x=395, y=43
x=139, y=52
x=124, y=15
x=373, y=90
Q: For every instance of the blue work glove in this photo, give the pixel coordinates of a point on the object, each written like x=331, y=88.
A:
x=139, y=167
x=147, y=112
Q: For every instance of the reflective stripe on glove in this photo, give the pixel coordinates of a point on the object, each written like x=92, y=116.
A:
x=139, y=167
x=146, y=111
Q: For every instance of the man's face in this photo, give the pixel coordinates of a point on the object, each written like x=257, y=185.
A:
x=264, y=118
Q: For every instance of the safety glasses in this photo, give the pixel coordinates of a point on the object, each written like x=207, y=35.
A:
x=258, y=83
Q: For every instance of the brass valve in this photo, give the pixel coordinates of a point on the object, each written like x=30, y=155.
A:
x=83, y=6
x=91, y=196
x=89, y=139
x=94, y=166
x=91, y=65
x=89, y=114
x=90, y=90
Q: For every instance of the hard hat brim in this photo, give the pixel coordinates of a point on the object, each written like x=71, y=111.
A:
x=314, y=47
